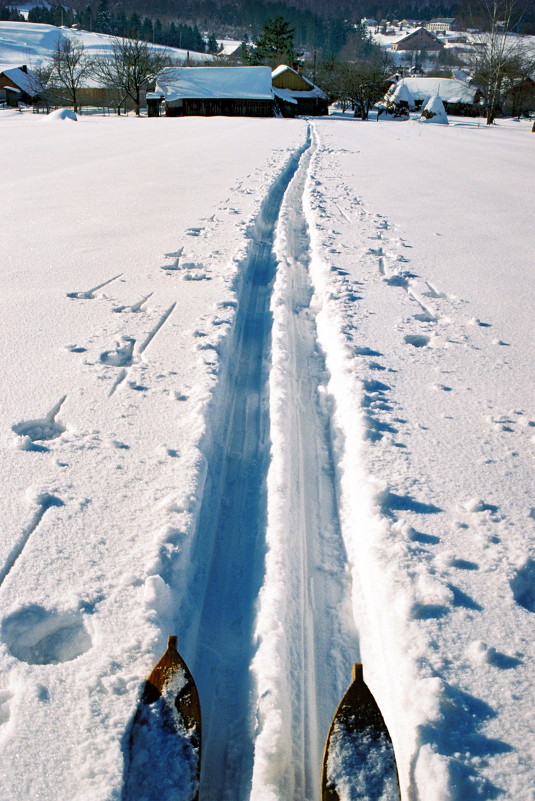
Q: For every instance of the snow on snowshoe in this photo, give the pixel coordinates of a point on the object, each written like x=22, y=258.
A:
x=165, y=740
x=358, y=761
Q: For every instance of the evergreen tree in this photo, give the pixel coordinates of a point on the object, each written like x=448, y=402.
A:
x=103, y=20
x=213, y=46
x=276, y=43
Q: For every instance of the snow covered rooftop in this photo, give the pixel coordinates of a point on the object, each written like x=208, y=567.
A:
x=246, y=83
x=26, y=80
x=449, y=89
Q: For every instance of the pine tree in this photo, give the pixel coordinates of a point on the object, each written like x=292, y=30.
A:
x=276, y=43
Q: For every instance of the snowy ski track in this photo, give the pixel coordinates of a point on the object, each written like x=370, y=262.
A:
x=300, y=511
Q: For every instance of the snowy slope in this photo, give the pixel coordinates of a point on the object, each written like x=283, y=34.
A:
x=261, y=395
x=32, y=43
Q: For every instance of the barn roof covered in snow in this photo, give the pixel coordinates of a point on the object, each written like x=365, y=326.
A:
x=26, y=80
x=246, y=83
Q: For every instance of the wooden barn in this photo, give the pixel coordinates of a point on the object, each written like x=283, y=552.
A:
x=295, y=95
x=420, y=39
x=216, y=91
x=19, y=85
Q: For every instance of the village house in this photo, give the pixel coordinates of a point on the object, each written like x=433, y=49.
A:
x=419, y=39
x=19, y=85
x=295, y=95
x=214, y=91
x=440, y=24
x=458, y=97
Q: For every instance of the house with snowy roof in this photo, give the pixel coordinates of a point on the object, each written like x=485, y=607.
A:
x=215, y=91
x=295, y=95
x=19, y=85
x=419, y=39
x=458, y=97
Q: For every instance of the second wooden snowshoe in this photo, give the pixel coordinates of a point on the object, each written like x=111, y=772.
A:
x=359, y=762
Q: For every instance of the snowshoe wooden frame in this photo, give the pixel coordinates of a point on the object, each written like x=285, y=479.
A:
x=357, y=711
x=186, y=701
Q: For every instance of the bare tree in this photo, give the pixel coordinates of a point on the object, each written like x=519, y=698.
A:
x=357, y=84
x=69, y=69
x=132, y=68
x=501, y=59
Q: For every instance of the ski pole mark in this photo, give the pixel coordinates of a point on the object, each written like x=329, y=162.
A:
x=88, y=294
x=44, y=502
x=40, y=430
x=119, y=380
x=144, y=345
x=135, y=307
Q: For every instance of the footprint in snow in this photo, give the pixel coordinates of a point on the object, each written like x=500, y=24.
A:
x=40, y=636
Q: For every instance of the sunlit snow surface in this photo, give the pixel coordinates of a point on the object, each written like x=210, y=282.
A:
x=380, y=391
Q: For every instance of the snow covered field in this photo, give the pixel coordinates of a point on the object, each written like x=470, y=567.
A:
x=267, y=385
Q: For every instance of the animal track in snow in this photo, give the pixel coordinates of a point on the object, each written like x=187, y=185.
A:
x=89, y=293
x=40, y=430
x=41, y=636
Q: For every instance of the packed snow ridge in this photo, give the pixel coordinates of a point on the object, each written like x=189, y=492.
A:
x=288, y=419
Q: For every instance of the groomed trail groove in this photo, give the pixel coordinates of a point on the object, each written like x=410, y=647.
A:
x=232, y=548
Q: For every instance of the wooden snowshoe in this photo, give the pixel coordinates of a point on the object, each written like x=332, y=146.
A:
x=358, y=760
x=165, y=739
x=187, y=699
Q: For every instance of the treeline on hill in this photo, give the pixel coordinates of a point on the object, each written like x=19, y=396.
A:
x=184, y=31
x=318, y=24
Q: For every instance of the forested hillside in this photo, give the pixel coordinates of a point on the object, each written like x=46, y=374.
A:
x=317, y=23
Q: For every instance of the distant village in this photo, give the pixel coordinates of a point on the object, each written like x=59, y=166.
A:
x=420, y=61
